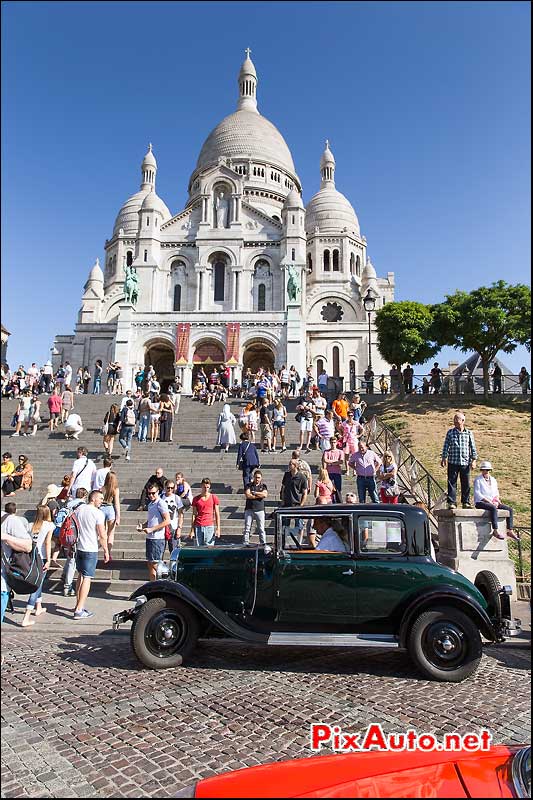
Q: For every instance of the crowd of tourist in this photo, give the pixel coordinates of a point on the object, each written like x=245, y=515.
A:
x=91, y=495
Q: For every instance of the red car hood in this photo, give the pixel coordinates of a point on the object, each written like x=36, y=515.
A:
x=418, y=774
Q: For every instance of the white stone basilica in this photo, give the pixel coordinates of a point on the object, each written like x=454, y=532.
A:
x=244, y=275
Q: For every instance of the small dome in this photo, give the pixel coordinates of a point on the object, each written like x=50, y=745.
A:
x=331, y=212
x=369, y=272
x=152, y=202
x=96, y=273
x=247, y=68
x=128, y=216
x=293, y=200
x=149, y=159
x=327, y=158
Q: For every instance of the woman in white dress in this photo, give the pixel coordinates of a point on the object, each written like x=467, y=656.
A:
x=225, y=429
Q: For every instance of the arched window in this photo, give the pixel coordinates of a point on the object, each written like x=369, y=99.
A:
x=220, y=277
x=335, y=362
x=352, y=374
x=309, y=262
x=293, y=254
x=358, y=267
x=326, y=260
x=146, y=255
x=129, y=258
x=352, y=264
x=261, y=297
x=177, y=297
x=335, y=261
x=319, y=367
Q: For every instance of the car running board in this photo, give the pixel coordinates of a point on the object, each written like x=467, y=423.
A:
x=334, y=639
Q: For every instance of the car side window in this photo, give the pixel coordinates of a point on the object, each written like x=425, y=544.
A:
x=301, y=533
x=381, y=534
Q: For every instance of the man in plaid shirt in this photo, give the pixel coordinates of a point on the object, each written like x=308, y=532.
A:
x=460, y=452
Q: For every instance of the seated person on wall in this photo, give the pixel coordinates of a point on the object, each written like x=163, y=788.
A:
x=487, y=497
x=157, y=478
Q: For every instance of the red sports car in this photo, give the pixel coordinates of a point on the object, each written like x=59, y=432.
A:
x=499, y=772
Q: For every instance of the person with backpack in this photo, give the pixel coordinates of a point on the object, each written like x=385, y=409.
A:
x=41, y=530
x=91, y=532
x=126, y=427
x=247, y=458
x=69, y=568
x=15, y=537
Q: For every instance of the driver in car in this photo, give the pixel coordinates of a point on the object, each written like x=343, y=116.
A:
x=333, y=536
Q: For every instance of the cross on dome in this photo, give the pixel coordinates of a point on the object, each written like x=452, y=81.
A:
x=247, y=51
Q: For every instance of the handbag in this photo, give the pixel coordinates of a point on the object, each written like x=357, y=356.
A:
x=105, y=428
x=392, y=490
x=168, y=532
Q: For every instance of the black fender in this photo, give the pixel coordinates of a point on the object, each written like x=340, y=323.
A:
x=450, y=596
x=202, y=606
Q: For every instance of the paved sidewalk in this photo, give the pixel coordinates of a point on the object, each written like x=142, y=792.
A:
x=59, y=616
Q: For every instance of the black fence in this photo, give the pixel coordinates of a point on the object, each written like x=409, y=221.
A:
x=451, y=384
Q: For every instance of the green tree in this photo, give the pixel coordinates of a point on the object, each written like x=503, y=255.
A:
x=404, y=333
x=487, y=320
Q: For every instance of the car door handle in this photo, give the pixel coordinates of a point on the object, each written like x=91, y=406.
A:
x=348, y=572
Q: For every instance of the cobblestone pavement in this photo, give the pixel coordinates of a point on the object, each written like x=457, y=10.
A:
x=82, y=719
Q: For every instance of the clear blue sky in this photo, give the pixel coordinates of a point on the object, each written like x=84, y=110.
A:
x=426, y=106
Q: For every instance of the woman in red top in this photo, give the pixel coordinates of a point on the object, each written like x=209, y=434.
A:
x=55, y=404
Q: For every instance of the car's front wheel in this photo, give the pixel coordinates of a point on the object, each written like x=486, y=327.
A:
x=445, y=644
x=164, y=632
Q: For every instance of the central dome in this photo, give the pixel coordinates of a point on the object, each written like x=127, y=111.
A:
x=246, y=134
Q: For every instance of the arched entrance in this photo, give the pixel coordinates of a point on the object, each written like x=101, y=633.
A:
x=160, y=355
x=258, y=354
x=208, y=354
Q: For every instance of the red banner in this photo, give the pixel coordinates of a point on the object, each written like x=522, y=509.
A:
x=233, y=330
x=183, y=333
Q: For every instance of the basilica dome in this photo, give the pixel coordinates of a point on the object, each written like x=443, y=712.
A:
x=146, y=198
x=331, y=212
x=246, y=134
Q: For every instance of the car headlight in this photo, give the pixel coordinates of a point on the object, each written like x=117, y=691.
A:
x=161, y=570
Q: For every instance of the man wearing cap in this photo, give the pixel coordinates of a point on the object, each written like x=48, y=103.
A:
x=487, y=497
x=459, y=452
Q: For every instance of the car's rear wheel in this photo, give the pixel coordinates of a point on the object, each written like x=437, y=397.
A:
x=445, y=644
x=489, y=586
x=164, y=632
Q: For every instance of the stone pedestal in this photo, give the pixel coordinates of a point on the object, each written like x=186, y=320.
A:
x=466, y=544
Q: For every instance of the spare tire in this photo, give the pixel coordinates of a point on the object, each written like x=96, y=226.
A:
x=489, y=586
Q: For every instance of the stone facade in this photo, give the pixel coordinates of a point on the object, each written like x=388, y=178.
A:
x=244, y=261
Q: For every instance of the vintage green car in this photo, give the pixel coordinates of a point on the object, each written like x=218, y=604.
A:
x=380, y=588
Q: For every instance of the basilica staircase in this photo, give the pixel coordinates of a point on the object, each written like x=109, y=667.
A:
x=192, y=452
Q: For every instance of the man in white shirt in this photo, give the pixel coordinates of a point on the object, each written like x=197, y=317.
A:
x=101, y=474
x=127, y=396
x=91, y=533
x=15, y=536
x=73, y=426
x=83, y=471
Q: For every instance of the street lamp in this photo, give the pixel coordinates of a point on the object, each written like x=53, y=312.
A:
x=369, y=302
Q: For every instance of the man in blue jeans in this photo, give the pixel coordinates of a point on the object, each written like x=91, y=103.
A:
x=126, y=427
x=365, y=463
x=91, y=534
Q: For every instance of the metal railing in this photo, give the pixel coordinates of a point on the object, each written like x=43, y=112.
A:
x=451, y=384
x=520, y=553
x=414, y=479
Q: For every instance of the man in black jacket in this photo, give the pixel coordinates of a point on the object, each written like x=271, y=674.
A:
x=157, y=478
